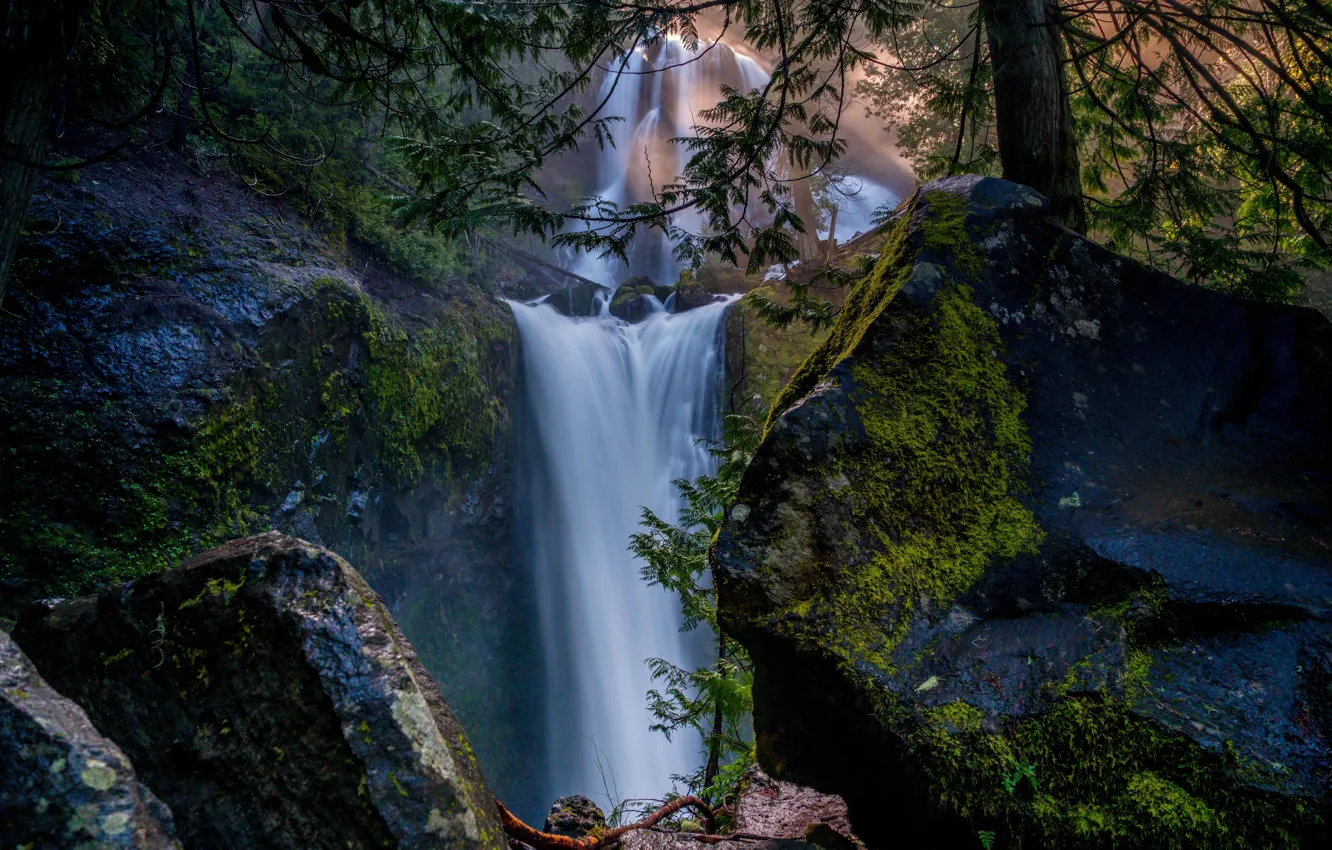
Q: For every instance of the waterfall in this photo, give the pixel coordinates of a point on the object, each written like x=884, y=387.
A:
x=655, y=108
x=614, y=412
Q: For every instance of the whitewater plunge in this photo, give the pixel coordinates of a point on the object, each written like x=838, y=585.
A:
x=614, y=415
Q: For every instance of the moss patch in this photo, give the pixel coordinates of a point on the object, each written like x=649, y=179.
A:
x=105, y=491
x=863, y=305
x=1095, y=775
x=935, y=485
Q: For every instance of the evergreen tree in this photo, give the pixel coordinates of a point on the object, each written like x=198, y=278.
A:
x=1195, y=132
x=1203, y=144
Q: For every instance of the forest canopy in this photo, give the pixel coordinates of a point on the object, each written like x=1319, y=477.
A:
x=1192, y=134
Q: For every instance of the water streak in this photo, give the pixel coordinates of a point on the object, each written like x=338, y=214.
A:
x=615, y=412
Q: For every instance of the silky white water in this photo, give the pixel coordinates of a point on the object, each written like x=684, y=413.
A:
x=614, y=413
x=655, y=108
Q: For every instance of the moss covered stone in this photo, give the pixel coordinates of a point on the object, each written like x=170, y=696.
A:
x=965, y=652
x=938, y=476
x=111, y=491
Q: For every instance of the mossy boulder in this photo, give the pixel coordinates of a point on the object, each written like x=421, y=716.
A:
x=266, y=694
x=637, y=298
x=1035, y=551
x=63, y=784
x=574, y=816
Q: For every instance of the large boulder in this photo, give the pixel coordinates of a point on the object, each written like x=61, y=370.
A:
x=1036, y=549
x=63, y=784
x=264, y=692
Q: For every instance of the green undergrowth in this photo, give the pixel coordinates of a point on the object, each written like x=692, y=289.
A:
x=1090, y=774
x=765, y=356
x=346, y=393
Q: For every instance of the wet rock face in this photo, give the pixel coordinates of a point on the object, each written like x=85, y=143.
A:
x=1038, y=544
x=62, y=783
x=265, y=693
x=575, y=816
x=183, y=362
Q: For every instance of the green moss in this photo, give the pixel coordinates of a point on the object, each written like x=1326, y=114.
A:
x=935, y=484
x=938, y=478
x=630, y=291
x=427, y=396
x=91, y=514
x=1104, y=777
x=215, y=587
x=944, y=233
x=119, y=656
x=938, y=481
x=942, y=228
x=95, y=496
x=1165, y=814
x=863, y=305
x=1136, y=673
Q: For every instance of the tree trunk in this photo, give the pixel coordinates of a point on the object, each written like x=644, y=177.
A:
x=713, y=767
x=38, y=35
x=1033, y=118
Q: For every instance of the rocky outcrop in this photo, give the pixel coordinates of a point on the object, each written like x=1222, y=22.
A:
x=63, y=784
x=1036, y=548
x=265, y=693
x=183, y=362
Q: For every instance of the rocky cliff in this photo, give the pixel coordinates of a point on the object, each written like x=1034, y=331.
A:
x=183, y=362
x=1036, y=549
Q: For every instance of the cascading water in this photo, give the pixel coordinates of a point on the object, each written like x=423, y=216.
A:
x=658, y=93
x=615, y=412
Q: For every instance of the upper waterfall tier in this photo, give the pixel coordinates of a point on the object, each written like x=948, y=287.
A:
x=658, y=93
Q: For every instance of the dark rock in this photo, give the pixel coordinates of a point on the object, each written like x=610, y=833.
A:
x=177, y=352
x=580, y=300
x=266, y=694
x=689, y=294
x=1038, y=544
x=637, y=298
x=574, y=816
x=62, y=783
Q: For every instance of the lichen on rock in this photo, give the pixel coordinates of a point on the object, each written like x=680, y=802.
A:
x=63, y=783
x=271, y=700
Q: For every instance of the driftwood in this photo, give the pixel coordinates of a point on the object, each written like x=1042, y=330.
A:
x=515, y=828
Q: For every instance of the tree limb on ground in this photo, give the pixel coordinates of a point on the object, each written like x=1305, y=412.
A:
x=515, y=828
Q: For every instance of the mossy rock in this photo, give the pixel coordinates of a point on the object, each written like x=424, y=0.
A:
x=189, y=365
x=266, y=694
x=1031, y=550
